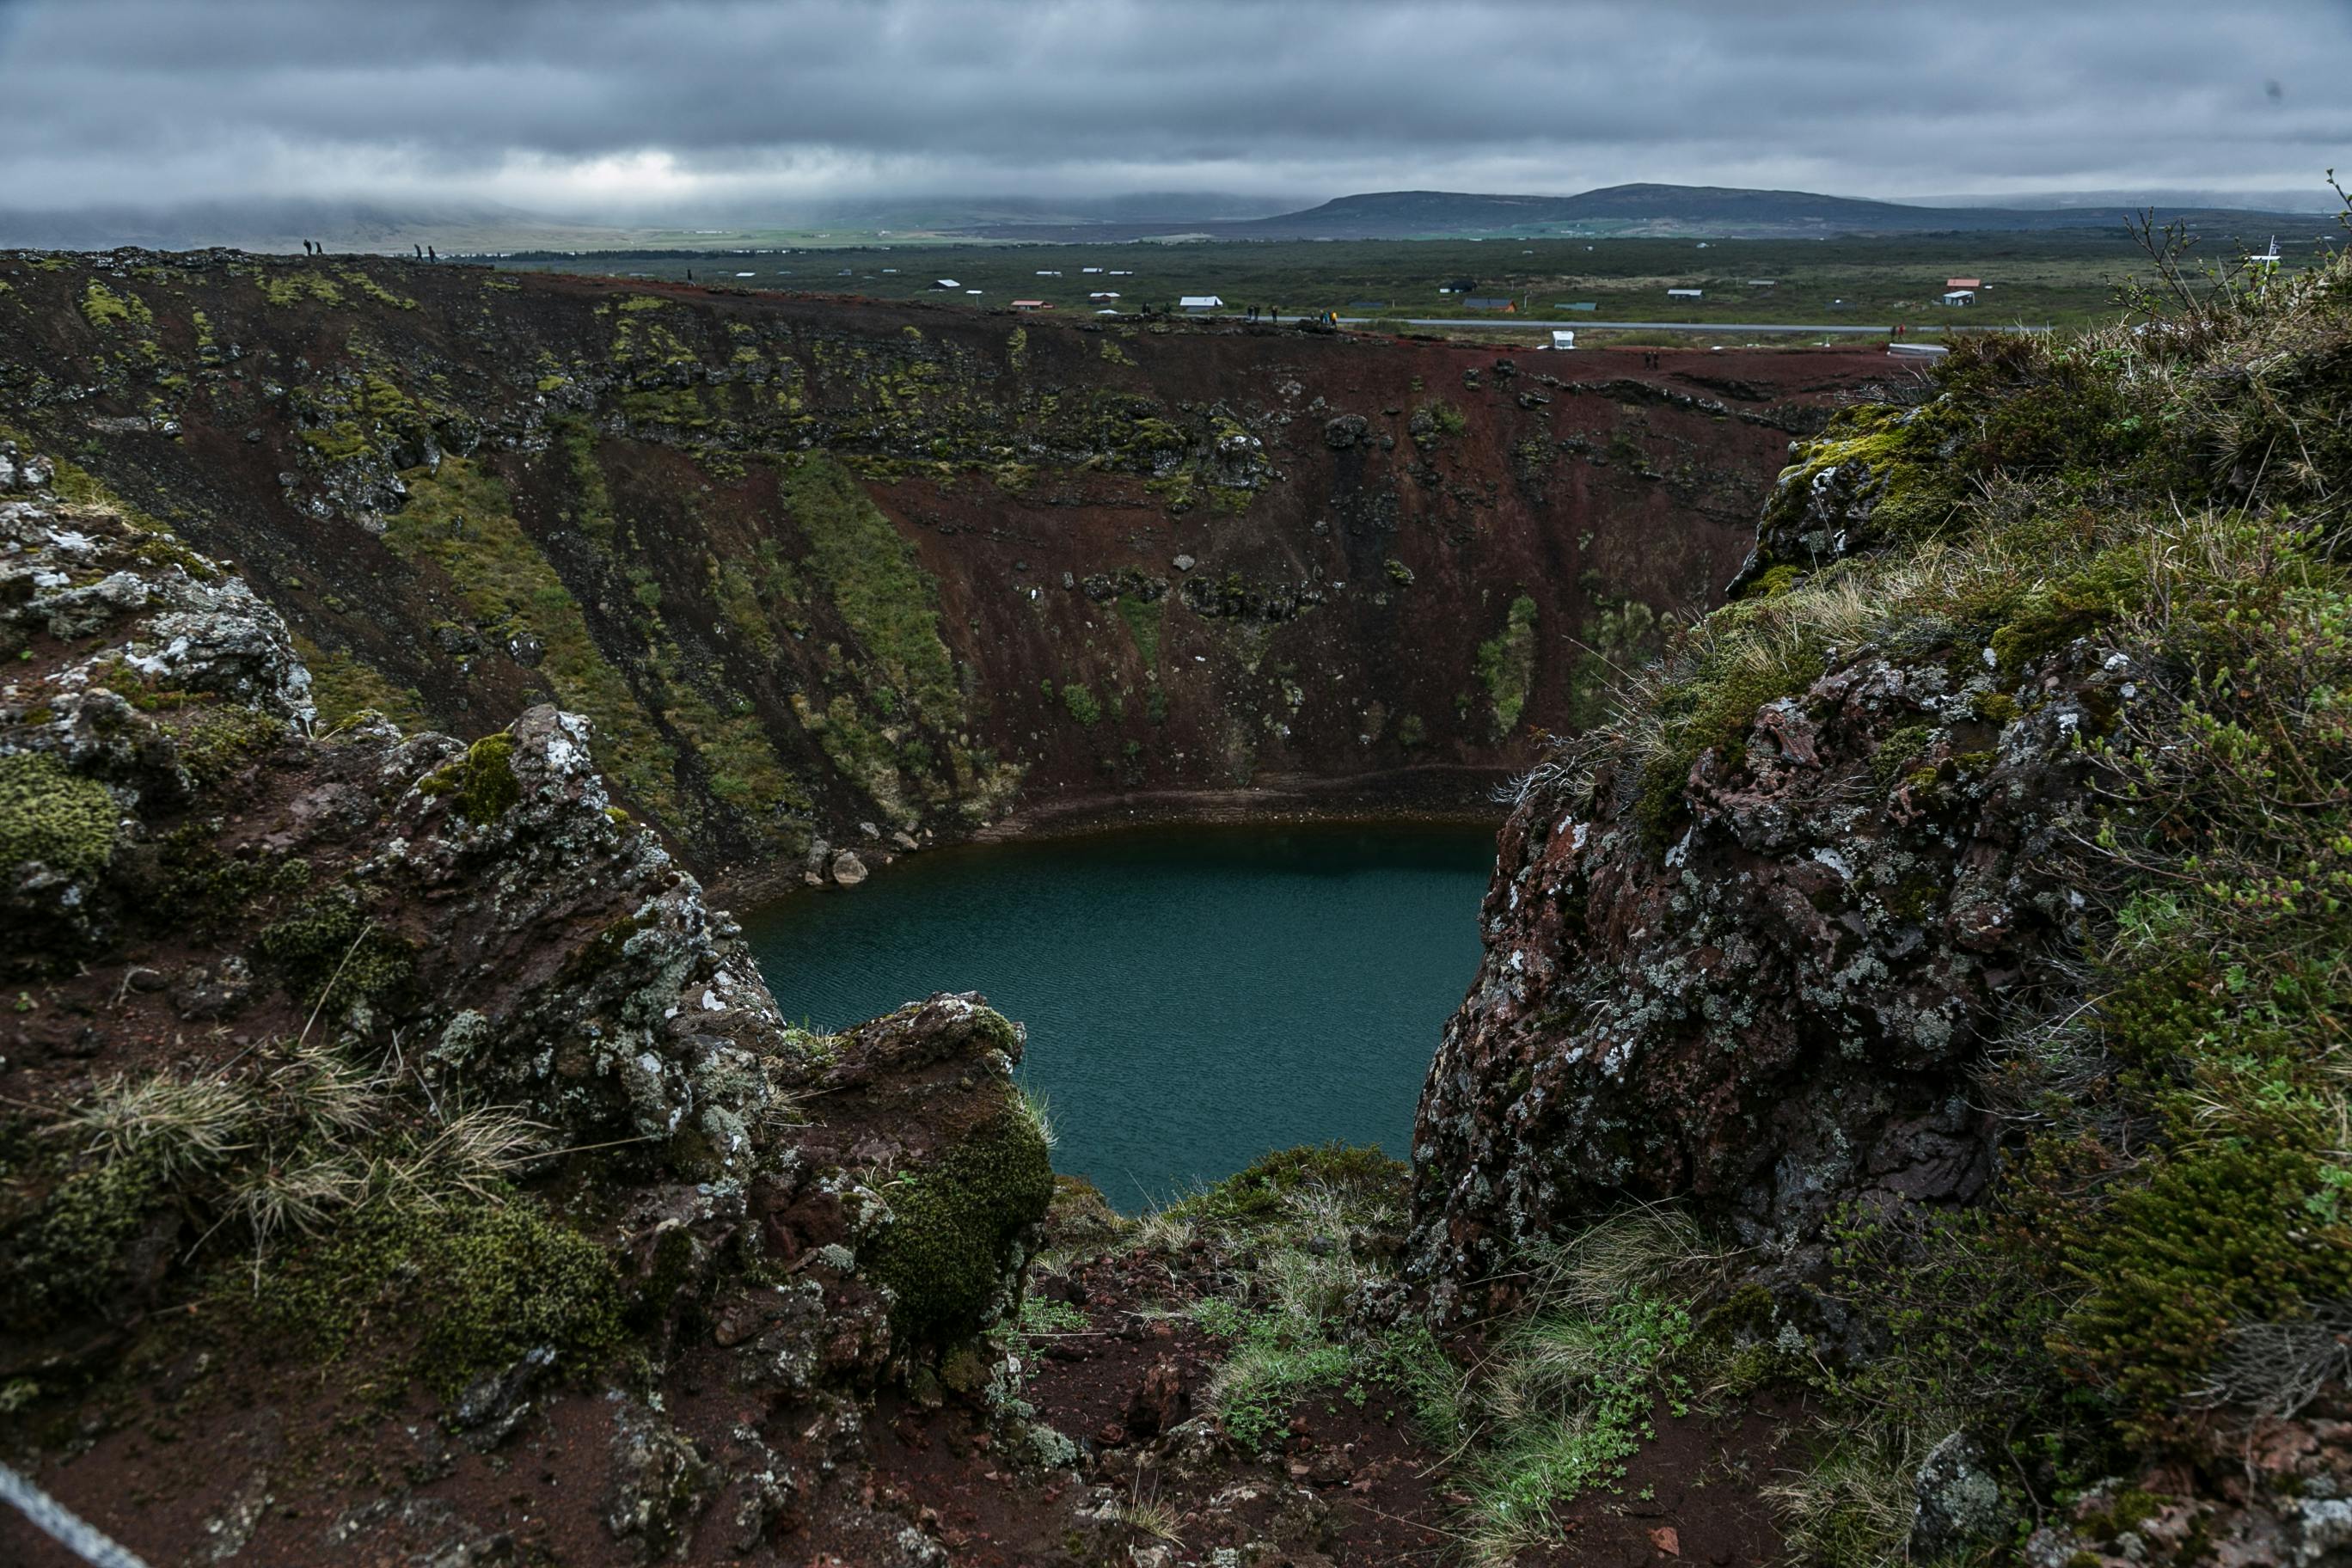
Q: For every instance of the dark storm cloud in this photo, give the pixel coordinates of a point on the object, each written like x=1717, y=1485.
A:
x=610, y=107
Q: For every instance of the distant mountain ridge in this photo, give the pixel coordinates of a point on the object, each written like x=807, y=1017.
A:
x=1701, y=211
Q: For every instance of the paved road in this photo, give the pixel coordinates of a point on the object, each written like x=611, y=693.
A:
x=1658, y=326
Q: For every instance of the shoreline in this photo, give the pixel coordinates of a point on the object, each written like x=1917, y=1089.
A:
x=1448, y=792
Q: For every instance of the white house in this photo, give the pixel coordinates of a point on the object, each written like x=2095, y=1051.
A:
x=945, y=283
x=1684, y=293
x=1563, y=340
x=1959, y=296
x=1104, y=294
x=1201, y=302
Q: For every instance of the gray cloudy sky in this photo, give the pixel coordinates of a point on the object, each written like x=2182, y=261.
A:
x=600, y=109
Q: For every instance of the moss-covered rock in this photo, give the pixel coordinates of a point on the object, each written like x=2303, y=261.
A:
x=331, y=953
x=482, y=1282
x=53, y=816
x=955, y=1223
x=481, y=785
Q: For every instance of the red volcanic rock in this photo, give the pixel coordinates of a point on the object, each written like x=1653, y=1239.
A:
x=1777, y=1009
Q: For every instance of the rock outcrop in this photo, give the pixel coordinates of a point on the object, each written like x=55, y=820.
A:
x=362, y=1058
x=1952, y=929
x=1782, y=1009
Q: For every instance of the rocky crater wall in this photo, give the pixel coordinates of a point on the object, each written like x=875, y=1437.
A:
x=834, y=574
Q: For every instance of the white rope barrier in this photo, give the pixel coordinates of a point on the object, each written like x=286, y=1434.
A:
x=62, y=1525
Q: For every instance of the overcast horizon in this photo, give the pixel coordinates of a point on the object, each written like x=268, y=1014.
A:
x=612, y=113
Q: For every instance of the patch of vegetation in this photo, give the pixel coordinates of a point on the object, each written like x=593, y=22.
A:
x=1618, y=636
x=890, y=603
x=103, y=308
x=1144, y=617
x=1506, y=665
x=343, y=686
x=375, y=291
x=741, y=767
x=1569, y=1392
x=219, y=740
x=592, y=503
x=481, y=785
x=1317, y=1221
x=1081, y=701
x=332, y=955
x=953, y=1221
x=52, y=815
x=484, y=1279
x=292, y=287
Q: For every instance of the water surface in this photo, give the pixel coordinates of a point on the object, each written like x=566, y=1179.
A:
x=1195, y=996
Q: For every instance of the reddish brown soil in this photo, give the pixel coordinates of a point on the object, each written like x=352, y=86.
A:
x=324, y=1474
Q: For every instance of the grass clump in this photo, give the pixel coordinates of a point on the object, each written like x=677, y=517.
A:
x=1570, y=1392
x=299, y=1154
x=1316, y=1218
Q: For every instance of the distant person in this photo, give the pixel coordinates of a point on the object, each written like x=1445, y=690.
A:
x=431, y=254
x=689, y=275
x=420, y=252
x=306, y=247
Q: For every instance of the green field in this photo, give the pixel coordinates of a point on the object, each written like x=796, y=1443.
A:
x=2062, y=278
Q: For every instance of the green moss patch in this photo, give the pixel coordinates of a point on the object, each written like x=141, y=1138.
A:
x=332, y=954
x=54, y=816
x=955, y=1222
x=481, y=785
x=482, y=1281
x=890, y=603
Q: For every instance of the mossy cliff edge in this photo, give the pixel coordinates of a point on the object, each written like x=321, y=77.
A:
x=829, y=574
x=1954, y=927
x=409, y=1089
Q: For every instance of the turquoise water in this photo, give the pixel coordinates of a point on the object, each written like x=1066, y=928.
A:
x=1195, y=996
